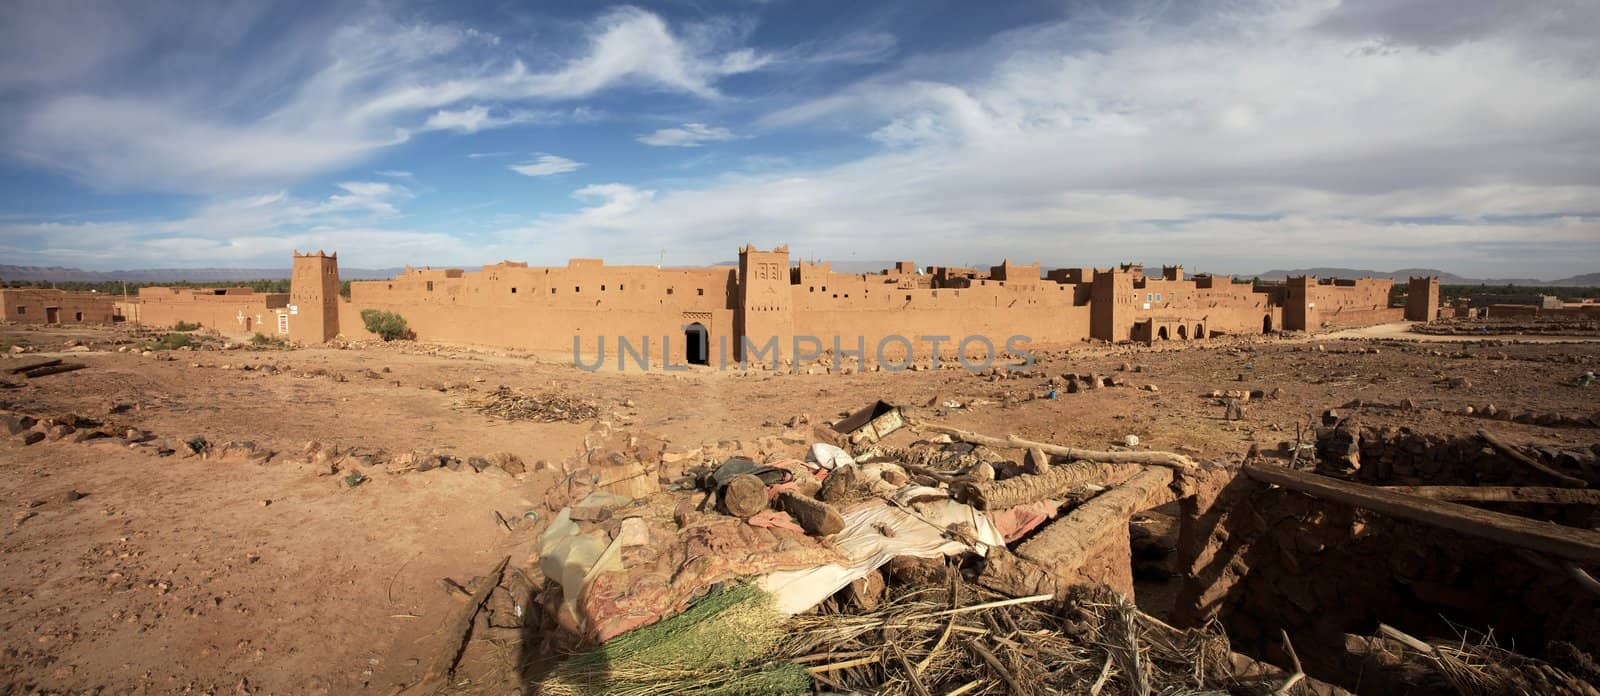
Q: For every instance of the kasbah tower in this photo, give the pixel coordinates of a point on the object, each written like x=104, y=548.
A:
x=314, y=295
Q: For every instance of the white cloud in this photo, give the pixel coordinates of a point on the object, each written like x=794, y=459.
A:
x=687, y=135
x=395, y=173
x=374, y=83
x=1236, y=143
x=546, y=165
x=486, y=155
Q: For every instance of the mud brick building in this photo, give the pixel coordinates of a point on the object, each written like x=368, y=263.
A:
x=766, y=298
x=45, y=306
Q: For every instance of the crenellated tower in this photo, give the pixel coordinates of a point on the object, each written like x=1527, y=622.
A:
x=314, y=297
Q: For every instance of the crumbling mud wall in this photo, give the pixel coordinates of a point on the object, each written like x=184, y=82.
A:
x=1262, y=558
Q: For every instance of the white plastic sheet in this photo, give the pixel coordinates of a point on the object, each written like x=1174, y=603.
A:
x=919, y=534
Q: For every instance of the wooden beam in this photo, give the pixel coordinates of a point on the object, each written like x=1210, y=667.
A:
x=1530, y=462
x=1503, y=494
x=1518, y=532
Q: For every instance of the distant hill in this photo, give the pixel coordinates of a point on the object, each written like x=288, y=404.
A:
x=173, y=275
x=1587, y=280
x=1446, y=278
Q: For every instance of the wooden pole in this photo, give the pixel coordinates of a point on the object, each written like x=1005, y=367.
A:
x=1520, y=532
x=1167, y=459
x=1054, y=483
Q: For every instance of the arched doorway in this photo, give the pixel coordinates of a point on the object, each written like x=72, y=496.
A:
x=1183, y=332
x=696, y=344
x=1266, y=324
x=1161, y=334
x=1199, y=331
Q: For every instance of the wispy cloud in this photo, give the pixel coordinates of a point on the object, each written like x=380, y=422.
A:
x=486, y=155
x=546, y=165
x=394, y=173
x=375, y=82
x=687, y=135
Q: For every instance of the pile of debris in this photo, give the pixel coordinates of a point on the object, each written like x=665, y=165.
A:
x=507, y=404
x=940, y=566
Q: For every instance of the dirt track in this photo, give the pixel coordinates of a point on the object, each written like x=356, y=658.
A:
x=188, y=573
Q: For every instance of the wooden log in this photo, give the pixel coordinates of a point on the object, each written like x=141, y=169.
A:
x=1057, y=482
x=53, y=369
x=1167, y=459
x=1520, y=532
x=1517, y=455
x=1503, y=494
x=1069, y=541
x=814, y=516
x=744, y=496
x=34, y=366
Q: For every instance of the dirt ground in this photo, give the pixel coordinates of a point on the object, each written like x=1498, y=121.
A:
x=189, y=574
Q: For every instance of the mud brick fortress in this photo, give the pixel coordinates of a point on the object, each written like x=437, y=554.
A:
x=766, y=296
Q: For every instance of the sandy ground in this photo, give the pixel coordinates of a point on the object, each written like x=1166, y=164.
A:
x=177, y=574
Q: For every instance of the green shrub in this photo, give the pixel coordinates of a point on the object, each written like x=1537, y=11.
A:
x=174, y=341
x=186, y=326
x=388, y=325
x=261, y=340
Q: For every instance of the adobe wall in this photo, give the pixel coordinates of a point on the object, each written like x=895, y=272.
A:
x=767, y=299
x=511, y=305
x=237, y=313
x=31, y=305
x=1261, y=558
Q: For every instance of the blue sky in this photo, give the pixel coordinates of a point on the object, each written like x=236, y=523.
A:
x=1232, y=136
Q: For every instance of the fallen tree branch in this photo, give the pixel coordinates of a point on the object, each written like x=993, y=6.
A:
x=1537, y=535
x=1166, y=459
x=1517, y=455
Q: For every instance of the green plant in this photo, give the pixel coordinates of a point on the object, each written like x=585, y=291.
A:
x=185, y=326
x=387, y=325
x=261, y=340
x=174, y=341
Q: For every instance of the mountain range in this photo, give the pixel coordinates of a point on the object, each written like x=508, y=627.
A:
x=1445, y=277
x=174, y=275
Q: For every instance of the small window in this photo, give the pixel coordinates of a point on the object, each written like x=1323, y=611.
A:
x=577, y=288
x=700, y=291
x=812, y=289
x=430, y=286
x=552, y=291
x=391, y=286
x=621, y=287
x=77, y=316
x=21, y=309
x=908, y=298
x=669, y=291
x=513, y=291
x=602, y=288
